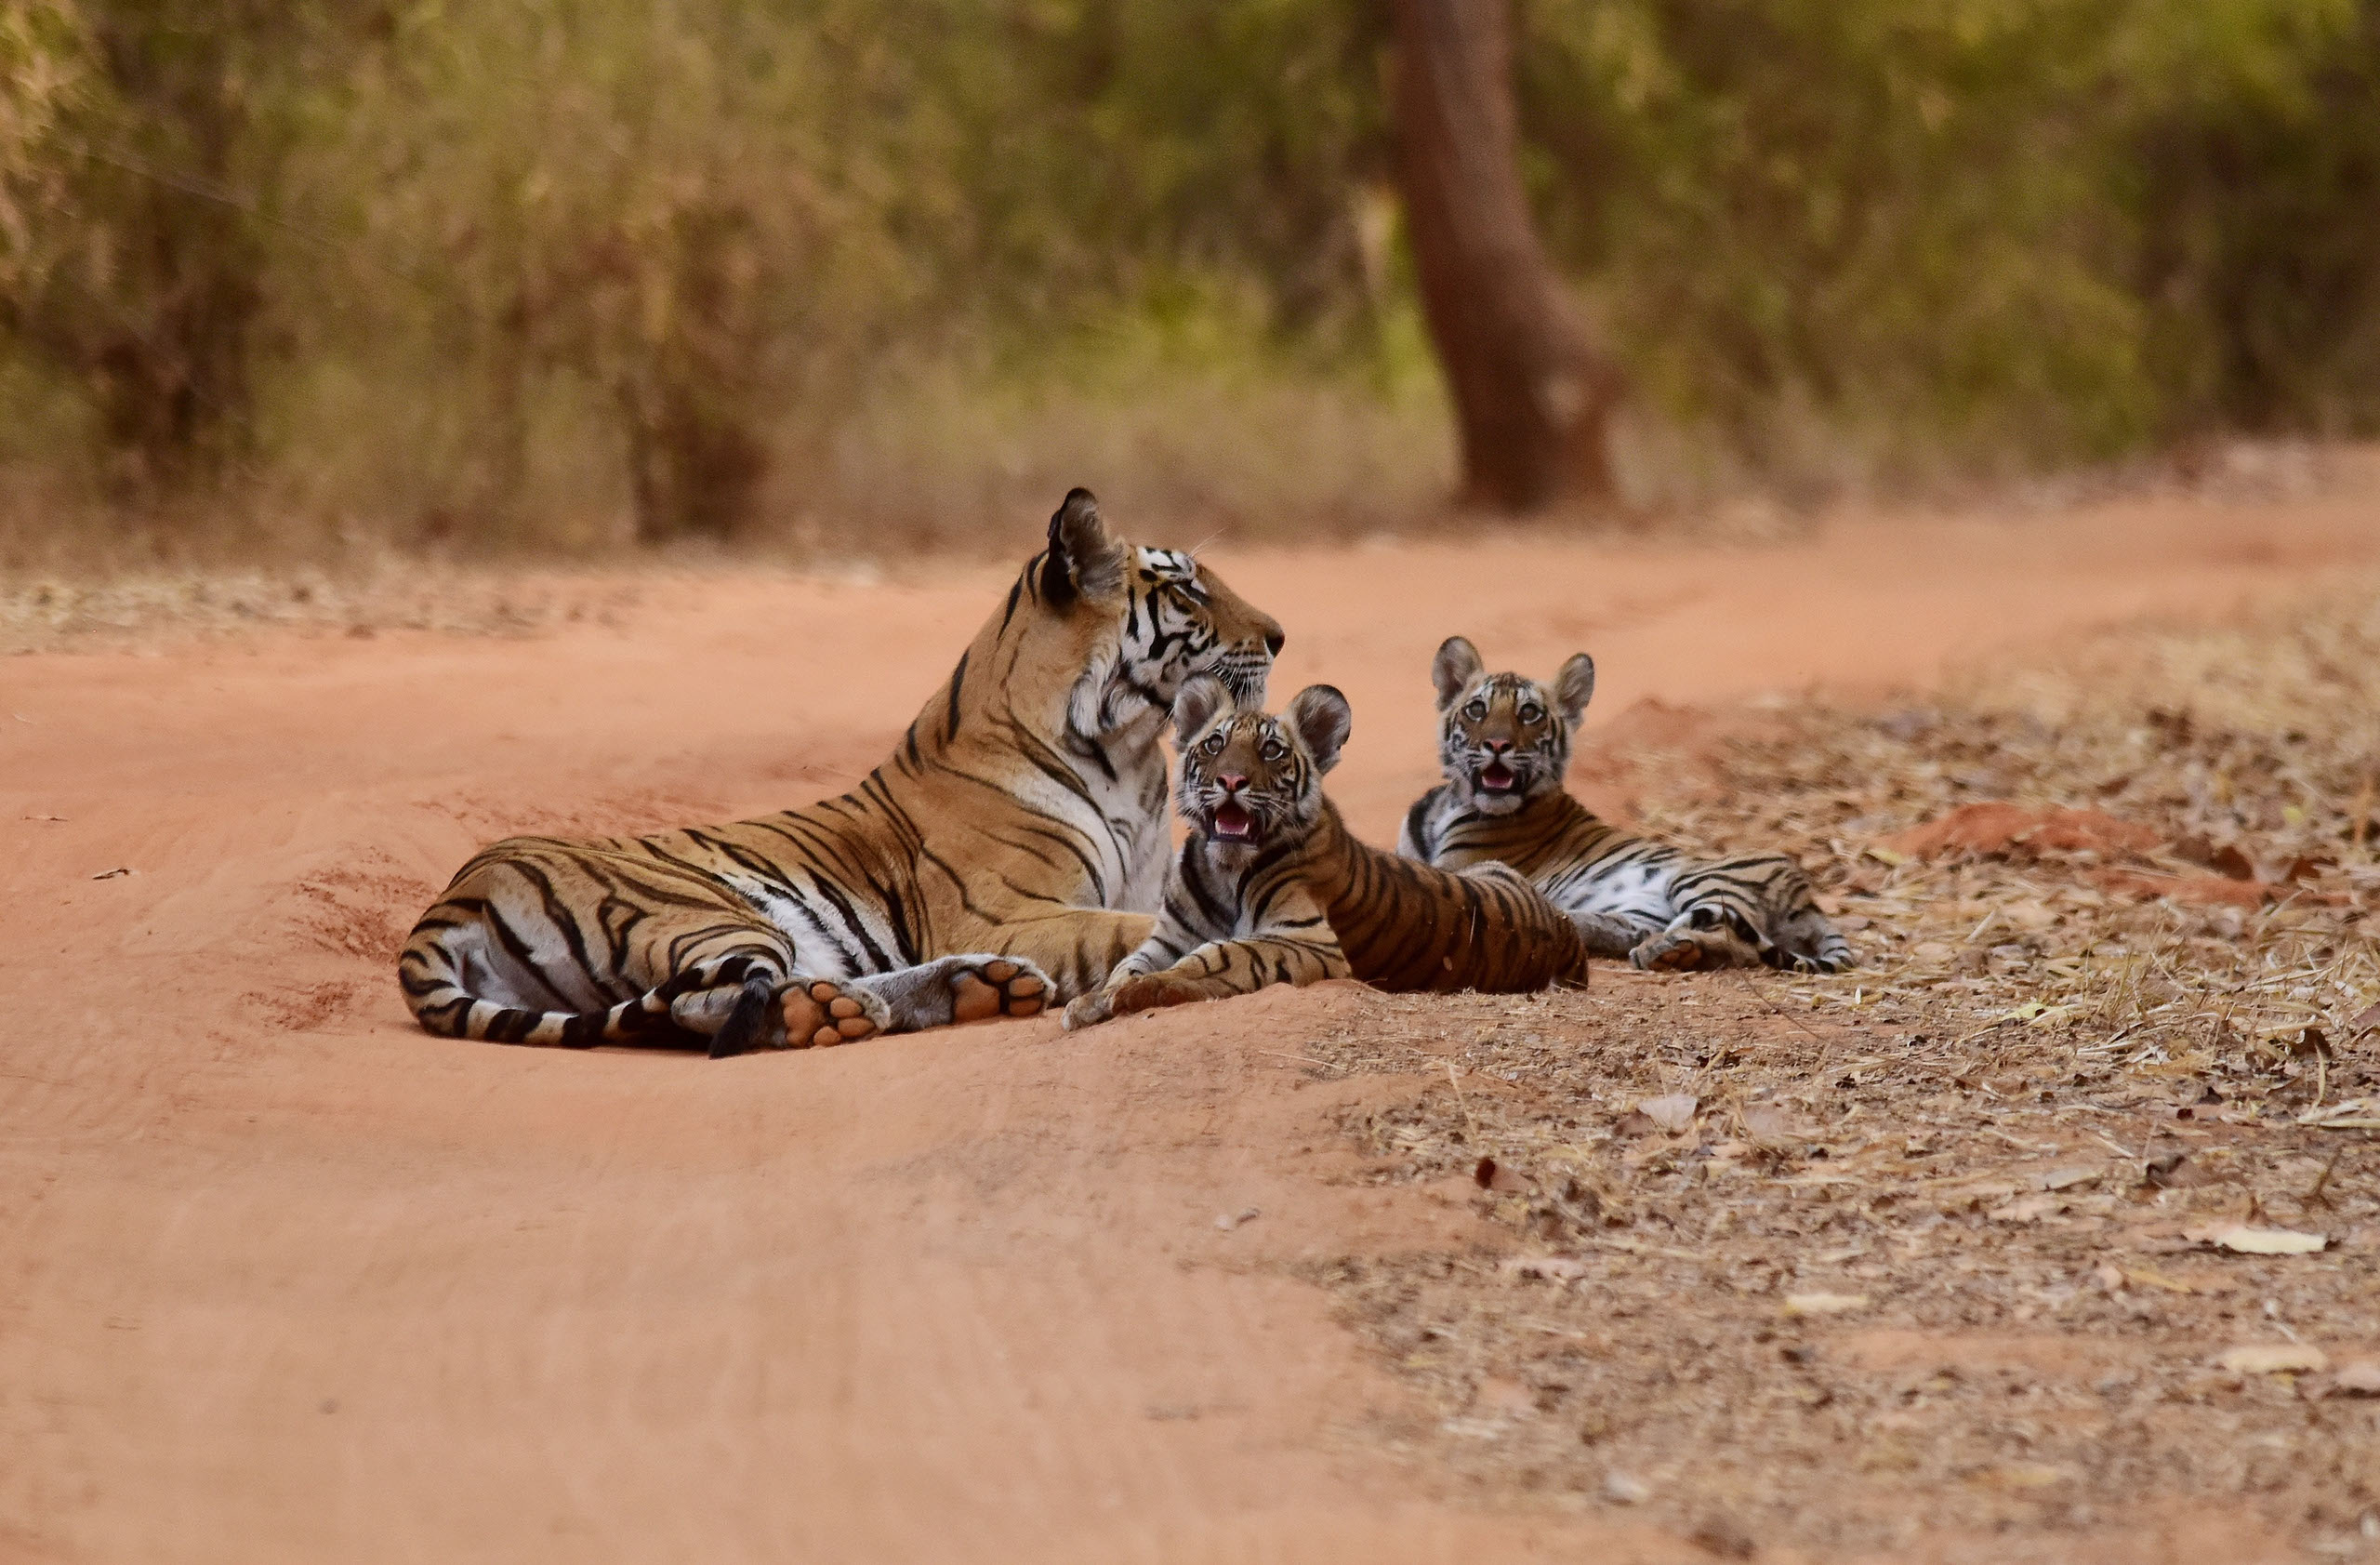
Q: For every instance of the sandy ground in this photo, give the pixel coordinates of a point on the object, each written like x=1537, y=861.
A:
x=281, y=1277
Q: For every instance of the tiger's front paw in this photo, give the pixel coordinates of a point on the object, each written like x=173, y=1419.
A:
x=1147, y=992
x=998, y=987
x=1154, y=991
x=1089, y=1010
x=820, y=1012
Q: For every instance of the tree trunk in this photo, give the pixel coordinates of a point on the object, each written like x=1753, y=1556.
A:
x=1532, y=394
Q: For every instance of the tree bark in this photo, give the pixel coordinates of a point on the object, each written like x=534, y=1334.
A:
x=1532, y=392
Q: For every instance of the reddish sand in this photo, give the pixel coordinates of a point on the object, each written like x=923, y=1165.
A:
x=281, y=1277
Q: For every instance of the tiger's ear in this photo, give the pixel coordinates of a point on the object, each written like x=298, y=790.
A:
x=1083, y=561
x=1201, y=700
x=1575, y=686
x=1320, y=718
x=1452, y=671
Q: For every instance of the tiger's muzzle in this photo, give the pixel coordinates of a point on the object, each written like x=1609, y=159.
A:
x=1501, y=779
x=1231, y=815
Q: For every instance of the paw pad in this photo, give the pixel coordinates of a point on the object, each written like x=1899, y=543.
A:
x=819, y=1015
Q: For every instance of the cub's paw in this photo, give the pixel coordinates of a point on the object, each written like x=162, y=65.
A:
x=1673, y=951
x=997, y=985
x=1148, y=991
x=1154, y=991
x=820, y=1012
x=1089, y=1010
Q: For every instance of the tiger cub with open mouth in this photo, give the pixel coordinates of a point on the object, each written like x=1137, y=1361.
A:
x=1270, y=887
x=1505, y=742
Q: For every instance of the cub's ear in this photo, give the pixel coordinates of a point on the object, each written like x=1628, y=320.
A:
x=1453, y=669
x=1320, y=718
x=1083, y=561
x=1575, y=686
x=1203, y=698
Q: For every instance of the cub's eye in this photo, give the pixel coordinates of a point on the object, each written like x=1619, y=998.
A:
x=1215, y=745
x=1273, y=749
x=1532, y=713
x=1476, y=712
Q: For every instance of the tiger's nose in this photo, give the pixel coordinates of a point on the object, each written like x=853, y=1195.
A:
x=1275, y=641
x=1231, y=784
x=1498, y=746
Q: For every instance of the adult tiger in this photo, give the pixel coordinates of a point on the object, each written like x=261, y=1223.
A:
x=1270, y=887
x=1007, y=855
x=1505, y=742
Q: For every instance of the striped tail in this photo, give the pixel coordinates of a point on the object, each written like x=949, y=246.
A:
x=445, y=1008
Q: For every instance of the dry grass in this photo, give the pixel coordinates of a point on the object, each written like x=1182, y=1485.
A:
x=1934, y=1250
x=69, y=610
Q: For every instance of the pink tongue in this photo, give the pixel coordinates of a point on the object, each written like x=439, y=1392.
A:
x=1232, y=819
x=1497, y=774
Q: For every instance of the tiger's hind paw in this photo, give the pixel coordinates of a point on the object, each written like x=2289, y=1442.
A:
x=820, y=1012
x=1670, y=952
x=995, y=986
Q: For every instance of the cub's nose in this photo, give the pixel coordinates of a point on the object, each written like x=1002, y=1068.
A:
x=1498, y=746
x=1231, y=784
x=1275, y=641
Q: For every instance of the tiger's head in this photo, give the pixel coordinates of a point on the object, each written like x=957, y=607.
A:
x=1503, y=740
x=1248, y=778
x=1144, y=620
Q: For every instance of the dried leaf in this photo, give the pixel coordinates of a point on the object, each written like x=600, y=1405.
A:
x=2021, y=1475
x=2030, y=914
x=1774, y=1124
x=1825, y=1303
x=2032, y=1208
x=1552, y=1269
x=2158, y=1280
x=2069, y=1178
x=2355, y=1113
x=1621, y=1489
x=2274, y=1358
x=2367, y=1017
x=1723, y=1536
x=2357, y=1377
x=1975, y=1194
x=2245, y=1241
x=1672, y=1113
x=1488, y=1174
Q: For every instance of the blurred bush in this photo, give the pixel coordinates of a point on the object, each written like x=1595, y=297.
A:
x=558, y=273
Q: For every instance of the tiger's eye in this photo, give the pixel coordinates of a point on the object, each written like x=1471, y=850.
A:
x=1532, y=713
x=1273, y=749
x=1475, y=711
x=1215, y=745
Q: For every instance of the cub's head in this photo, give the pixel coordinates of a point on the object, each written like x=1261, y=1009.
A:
x=1144, y=620
x=1503, y=740
x=1248, y=778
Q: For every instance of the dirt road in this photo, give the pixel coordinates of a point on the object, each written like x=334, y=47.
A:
x=281, y=1277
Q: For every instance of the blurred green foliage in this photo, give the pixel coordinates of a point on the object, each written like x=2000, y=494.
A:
x=519, y=269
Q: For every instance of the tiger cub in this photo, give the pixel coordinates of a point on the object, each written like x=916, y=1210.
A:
x=1270, y=888
x=1505, y=742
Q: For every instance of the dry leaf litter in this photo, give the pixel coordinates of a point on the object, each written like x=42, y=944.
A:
x=2062, y=1208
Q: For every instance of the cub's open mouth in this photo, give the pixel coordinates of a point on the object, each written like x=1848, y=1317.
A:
x=1233, y=823
x=1496, y=777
